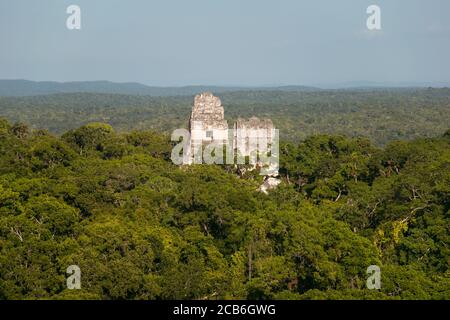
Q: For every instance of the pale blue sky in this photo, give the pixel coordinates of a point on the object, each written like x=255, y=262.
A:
x=226, y=42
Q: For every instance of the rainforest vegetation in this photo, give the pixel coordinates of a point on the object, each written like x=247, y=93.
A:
x=139, y=227
x=381, y=115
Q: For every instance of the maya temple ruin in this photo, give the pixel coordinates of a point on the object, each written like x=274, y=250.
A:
x=251, y=138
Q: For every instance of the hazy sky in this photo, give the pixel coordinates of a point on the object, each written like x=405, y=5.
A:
x=226, y=42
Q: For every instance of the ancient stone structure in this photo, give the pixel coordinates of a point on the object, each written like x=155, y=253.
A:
x=207, y=122
x=250, y=138
x=251, y=134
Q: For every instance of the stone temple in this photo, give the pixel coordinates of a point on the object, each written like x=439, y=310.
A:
x=249, y=131
x=207, y=124
x=252, y=138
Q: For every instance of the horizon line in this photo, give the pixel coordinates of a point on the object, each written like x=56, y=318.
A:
x=325, y=85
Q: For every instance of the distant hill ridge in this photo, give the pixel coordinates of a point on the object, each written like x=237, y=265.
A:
x=20, y=88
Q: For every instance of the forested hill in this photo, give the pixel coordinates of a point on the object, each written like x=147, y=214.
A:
x=140, y=227
x=12, y=88
x=382, y=115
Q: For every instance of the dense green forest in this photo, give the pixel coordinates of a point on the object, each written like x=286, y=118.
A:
x=140, y=227
x=381, y=115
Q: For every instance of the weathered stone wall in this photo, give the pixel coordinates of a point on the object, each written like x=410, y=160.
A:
x=249, y=133
x=208, y=109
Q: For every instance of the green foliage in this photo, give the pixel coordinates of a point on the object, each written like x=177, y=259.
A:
x=140, y=227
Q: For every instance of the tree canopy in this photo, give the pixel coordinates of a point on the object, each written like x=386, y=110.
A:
x=140, y=227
